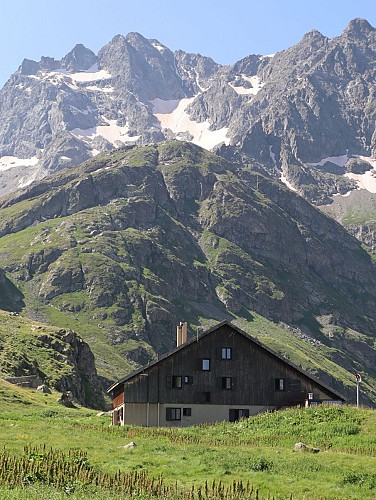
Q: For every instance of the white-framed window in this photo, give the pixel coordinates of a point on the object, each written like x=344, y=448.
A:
x=205, y=364
x=226, y=353
x=177, y=381
x=280, y=384
x=227, y=383
x=173, y=414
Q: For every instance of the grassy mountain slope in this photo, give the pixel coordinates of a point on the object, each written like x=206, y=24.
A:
x=123, y=247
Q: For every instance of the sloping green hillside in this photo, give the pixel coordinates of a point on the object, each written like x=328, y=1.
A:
x=130, y=243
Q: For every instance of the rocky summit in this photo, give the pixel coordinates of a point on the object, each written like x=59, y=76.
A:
x=305, y=114
x=124, y=246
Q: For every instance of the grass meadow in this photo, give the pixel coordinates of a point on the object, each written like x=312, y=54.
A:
x=48, y=451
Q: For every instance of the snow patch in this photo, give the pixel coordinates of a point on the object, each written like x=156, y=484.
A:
x=107, y=89
x=272, y=156
x=179, y=122
x=282, y=177
x=26, y=181
x=254, y=90
x=337, y=160
x=158, y=47
x=57, y=78
x=343, y=195
x=62, y=76
x=368, y=179
x=83, y=111
x=8, y=162
x=112, y=132
x=364, y=181
x=87, y=76
x=287, y=183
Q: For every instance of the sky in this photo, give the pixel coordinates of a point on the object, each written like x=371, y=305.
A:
x=224, y=30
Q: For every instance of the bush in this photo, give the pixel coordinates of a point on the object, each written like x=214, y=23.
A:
x=261, y=465
x=360, y=479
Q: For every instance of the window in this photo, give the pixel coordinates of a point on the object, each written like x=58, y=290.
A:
x=226, y=382
x=205, y=365
x=206, y=397
x=188, y=379
x=187, y=412
x=226, y=353
x=174, y=381
x=280, y=384
x=177, y=381
x=173, y=413
x=237, y=413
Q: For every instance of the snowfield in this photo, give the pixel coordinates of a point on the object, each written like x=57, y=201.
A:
x=365, y=181
x=172, y=115
x=254, y=90
x=337, y=160
x=7, y=162
x=368, y=179
x=112, y=132
x=62, y=76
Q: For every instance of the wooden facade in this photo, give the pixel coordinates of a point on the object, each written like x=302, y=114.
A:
x=222, y=375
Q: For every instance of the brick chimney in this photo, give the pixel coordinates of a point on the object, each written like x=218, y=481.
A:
x=181, y=333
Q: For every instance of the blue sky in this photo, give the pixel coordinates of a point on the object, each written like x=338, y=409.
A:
x=223, y=30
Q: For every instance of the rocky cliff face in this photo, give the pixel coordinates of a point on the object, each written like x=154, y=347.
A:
x=59, y=358
x=356, y=212
x=304, y=114
x=133, y=241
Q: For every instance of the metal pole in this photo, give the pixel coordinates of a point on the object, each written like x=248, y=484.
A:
x=148, y=404
x=357, y=394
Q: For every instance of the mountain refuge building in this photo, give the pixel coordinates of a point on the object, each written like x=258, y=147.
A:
x=222, y=374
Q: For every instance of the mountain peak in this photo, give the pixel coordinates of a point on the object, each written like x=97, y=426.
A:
x=138, y=41
x=358, y=27
x=118, y=39
x=80, y=58
x=28, y=67
x=133, y=35
x=313, y=34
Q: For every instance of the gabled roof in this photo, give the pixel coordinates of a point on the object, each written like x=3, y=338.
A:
x=208, y=332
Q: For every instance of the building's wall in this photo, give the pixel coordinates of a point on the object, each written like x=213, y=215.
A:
x=118, y=399
x=252, y=368
x=147, y=415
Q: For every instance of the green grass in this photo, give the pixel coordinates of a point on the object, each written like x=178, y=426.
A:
x=258, y=450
